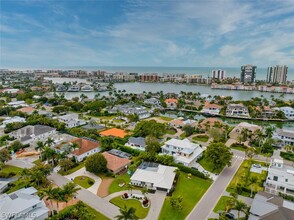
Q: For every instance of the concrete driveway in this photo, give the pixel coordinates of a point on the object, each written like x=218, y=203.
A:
x=83, y=172
x=89, y=198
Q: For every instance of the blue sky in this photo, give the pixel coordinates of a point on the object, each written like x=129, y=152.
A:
x=229, y=33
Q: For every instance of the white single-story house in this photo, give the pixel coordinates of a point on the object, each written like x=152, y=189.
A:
x=136, y=143
x=23, y=204
x=71, y=120
x=86, y=148
x=154, y=176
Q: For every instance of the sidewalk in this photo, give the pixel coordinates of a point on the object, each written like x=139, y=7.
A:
x=83, y=172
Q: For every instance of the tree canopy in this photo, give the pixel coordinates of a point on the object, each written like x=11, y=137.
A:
x=96, y=163
x=145, y=128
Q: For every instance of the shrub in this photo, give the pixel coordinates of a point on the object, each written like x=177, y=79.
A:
x=126, y=195
x=91, y=182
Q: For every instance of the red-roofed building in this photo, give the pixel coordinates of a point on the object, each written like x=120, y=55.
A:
x=171, y=103
x=209, y=122
x=86, y=148
x=116, y=164
x=28, y=110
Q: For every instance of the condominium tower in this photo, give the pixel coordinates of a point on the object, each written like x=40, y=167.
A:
x=218, y=74
x=277, y=74
x=248, y=74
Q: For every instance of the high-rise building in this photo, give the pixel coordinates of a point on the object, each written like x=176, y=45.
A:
x=218, y=74
x=277, y=74
x=248, y=74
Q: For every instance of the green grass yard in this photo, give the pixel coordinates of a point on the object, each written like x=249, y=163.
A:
x=221, y=204
x=191, y=190
x=201, y=138
x=241, y=178
x=208, y=165
x=83, y=181
x=164, y=118
x=114, y=187
x=70, y=171
x=10, y=168
x=140, y=211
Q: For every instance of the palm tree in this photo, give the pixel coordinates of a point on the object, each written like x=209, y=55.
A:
x=240, y=206
x=144, y=191
x=130, y=188
x=69, y=191
x=49, y=194
x=40, y=146
x=252, y=180
x=57, y=195
x=127, y=214
x=49, y=142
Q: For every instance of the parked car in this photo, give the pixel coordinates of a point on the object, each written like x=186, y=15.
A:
x=256, y=165
x=228, y=215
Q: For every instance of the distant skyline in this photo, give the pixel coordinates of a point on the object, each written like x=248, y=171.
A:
x=232, y=33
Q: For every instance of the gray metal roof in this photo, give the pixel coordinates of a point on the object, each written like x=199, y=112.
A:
x=140, y=141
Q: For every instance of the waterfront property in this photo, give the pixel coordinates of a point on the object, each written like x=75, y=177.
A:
x=238, y=110
x=183, y=151
x=23, y=204
x=131, y=109
x=154, y=176
x=283, y=137
x=211, y=109
x=30, y=133
x=288, y=111
x=280, y=177
x=152, y=101
x=268, y=206
x=242, y=126
x=86, y=148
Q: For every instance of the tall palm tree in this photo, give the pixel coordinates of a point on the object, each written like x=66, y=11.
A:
x=69, y=191
x=252, y=180
x=57, y=196
x=130, y=188
x=49, y=142
x=144, y=191
x=40, y=146
x=240, y=206
x=49, y=194
x=127, y=214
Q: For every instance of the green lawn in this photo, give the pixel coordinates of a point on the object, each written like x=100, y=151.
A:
x=166, y=118
x=238, y=148
x=96, y=214
x=118, y=120
x=83, y=181
x=171, y=131
x=114, y=187
x=191, y=190
x=241, y=178
x=183, y=135
x=208, y=165
x=140, y=211
x=202, y=138
x=221, y=204
x=9, y=168
x=70, y=171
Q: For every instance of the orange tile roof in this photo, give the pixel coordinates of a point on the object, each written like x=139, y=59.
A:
x=115, y=132
x=85, y=146
x=26, y=109
x=178, y=122
x=114, y=163
x=171, y=100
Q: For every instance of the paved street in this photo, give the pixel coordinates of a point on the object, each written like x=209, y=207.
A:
x=209, y=200
x=89, y=198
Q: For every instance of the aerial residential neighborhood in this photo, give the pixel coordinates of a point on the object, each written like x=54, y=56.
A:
x=152, y=110
x=164, y=155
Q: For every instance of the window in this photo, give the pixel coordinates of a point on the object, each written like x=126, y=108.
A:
x=286, y=180
x=34, y=206
x=275, y=178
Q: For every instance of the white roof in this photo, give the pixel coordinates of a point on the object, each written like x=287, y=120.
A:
x=248, y=125
x=187, y=145
x=19, y=201
x=162, y=176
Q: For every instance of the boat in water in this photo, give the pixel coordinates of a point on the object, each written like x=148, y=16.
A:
x=74, y=88
x=87, y=88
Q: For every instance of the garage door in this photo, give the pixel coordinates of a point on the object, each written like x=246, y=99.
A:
x=161, y=189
